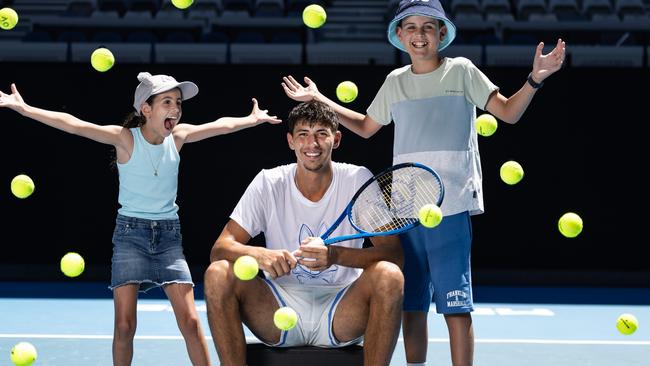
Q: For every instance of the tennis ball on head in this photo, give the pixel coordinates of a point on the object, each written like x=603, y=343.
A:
x=8, y=18
x=486, y=124
x=72, y=264
x=314, y=16
x=182, y=4
x=246, y=267
x=570, y=225
x=22, y=186
x=102, y=59
x=627, y=324
x=430, y=215
x=347, y=91
x=285, y=318
x=511, y=172
x=23, y=354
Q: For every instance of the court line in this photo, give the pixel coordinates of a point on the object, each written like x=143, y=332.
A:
x=431, y=340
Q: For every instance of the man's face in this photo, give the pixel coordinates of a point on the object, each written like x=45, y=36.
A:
x=313, y=145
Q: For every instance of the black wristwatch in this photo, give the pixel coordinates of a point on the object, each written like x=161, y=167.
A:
x=533, y=83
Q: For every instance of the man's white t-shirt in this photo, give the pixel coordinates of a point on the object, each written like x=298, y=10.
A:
x=272, y=204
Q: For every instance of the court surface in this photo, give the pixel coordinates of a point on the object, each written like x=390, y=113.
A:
x=72, y=324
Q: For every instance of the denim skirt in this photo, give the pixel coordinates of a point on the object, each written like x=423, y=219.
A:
x=148, y=253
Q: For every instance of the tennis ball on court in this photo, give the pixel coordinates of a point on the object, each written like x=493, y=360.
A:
x=511, y=172
x=182, y=4
x=486, y=124
x=314, y=16
x=347, y=91
x=23, y=354
x=246, y=267
x=627, y=324
x=102, y=59
x=22, y=186
x=430, y=215
x=72, y=264
x=285, y=318
x=570, y=225
x=8, y=18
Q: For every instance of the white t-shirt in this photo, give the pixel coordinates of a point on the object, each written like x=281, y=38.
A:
x=434, y=117
x=272, y=204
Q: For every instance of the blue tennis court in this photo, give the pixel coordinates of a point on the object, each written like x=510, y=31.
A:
x=72, y=324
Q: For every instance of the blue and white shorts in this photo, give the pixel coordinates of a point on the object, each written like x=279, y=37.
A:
x=437, y=264
x=315, y=306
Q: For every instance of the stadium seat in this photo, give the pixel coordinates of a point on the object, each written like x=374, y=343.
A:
x=627, y=7
x=119, y=6
x=591, y=7
x=465, y=7
x=151, y=6
x=238, y=5
x=565, y=9
x=80, y=8
x=258, y=354
x=527, y=7
x=496, y=7
x=268, y=8
x=211, y=5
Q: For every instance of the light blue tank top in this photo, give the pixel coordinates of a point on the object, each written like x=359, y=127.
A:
x=149, y=180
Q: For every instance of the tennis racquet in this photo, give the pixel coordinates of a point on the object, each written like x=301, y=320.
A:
x=388, y=203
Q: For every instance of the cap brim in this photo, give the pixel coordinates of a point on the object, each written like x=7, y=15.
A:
x=188, y=89
x=394, y=40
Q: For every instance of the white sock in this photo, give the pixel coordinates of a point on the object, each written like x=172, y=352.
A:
x=416, y=364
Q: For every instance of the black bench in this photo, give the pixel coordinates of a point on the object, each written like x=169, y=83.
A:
x=259, y=354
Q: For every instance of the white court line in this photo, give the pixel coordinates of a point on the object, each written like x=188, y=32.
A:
x=431, y=340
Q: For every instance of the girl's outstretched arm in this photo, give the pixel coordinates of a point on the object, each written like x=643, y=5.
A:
x=112, y=135
x=191, y=133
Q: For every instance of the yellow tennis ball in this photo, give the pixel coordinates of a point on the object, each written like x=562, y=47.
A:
x=182, y=4
x=102, y=59
x=72, y=264
x=314, y=16
x=22, y=186
x=347, y=91
x=285, y=318
x=627, y=324
x=430, y=215
x=23, y=354
x=511, y=172
x=8, y=18
x=570, y=225
x=486, y=124
x=246, y=267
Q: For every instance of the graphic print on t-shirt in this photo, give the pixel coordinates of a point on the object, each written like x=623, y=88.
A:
x=303, y=274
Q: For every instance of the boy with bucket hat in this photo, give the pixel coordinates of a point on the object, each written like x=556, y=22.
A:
x=433, y=104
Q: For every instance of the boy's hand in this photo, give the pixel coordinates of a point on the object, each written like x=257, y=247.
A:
x=296, y=91
x=545, y=65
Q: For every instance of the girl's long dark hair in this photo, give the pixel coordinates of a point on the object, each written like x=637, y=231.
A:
x=132, y=120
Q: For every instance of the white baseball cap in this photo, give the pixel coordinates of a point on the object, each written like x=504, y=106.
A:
x=156, y=84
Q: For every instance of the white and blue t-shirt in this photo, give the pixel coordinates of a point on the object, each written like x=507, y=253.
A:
x=434, y=117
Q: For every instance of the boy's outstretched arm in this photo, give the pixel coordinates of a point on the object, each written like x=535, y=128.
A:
x=111, y=134
x=191, y=133
x=511, y=109
x=362, y=125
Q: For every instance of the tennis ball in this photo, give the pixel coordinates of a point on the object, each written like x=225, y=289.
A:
x=347, y=91
x=72, y=264
x=23, y=354
x=246, y=267
x=430, y=215
x=102, y=59
x=22, y=186
x=182, y=4
x=511, y=172
x=285, y=318
x=627, y=324
x=8, y=18
x=570, y=225
x=486, y=124
x=314, y=16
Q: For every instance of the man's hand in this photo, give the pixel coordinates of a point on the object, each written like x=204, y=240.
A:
x=276, y=262
x=314, y=254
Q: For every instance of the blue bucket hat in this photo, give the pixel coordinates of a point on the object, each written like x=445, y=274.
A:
x=427, y=8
